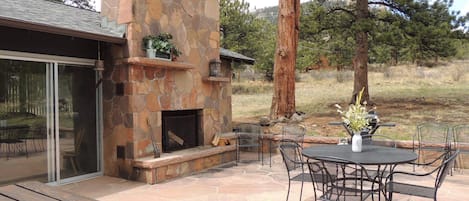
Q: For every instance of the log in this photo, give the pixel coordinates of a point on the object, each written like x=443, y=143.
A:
x=175, y=138
x=216, y=140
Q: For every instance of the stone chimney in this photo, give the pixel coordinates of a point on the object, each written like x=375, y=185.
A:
x=136, y=90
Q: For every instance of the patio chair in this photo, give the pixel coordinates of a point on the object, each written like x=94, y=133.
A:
x=461, y=142
x=295, y=132
x=337, y=183
x=430, y=137
x=249, y=136
x=293, y=160
x=72, y=155
x=292, y=132
x=383, y=140
x=379, y=140
x=441, y=171
x=11, y=137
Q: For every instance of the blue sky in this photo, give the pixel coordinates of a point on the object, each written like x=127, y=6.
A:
x=461, y=5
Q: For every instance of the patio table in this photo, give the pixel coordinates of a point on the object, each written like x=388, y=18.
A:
x=370, y=155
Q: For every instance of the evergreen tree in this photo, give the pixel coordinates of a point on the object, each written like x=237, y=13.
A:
x=242, y=32
x=384, y=30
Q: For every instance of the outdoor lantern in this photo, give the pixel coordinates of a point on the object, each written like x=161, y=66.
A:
x=215, y=67
x=99, y=65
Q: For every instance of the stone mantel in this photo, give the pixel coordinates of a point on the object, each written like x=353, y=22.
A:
x=156, y=63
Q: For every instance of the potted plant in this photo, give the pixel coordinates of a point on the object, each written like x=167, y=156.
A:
x=148, y=45
x=161, y=46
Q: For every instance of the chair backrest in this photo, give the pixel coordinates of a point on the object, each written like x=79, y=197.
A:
x=445, y=167
x=79, y=135
x=433, y=133
x=293, y=132
x=383, y=140
x=248, y=128
x=291, y=154
x=461, y=136
x=248, y=133
x=336, y=177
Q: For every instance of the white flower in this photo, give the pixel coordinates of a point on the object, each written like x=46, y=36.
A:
x=356, y=115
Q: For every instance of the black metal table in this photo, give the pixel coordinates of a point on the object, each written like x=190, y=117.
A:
x=370, y=155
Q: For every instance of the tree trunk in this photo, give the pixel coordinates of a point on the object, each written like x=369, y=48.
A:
x=360, y=61
x=283, y=100
x=395, y=56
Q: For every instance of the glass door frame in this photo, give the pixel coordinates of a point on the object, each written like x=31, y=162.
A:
x=53, y=147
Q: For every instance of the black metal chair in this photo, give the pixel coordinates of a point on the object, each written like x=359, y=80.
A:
x=295, y=132
x=338, y=184
x=441, y=171
x=11, y=136
x=461, y=142
x=249, y=136
x=431, y=137
x=291, y=154
x=292, y=132
x=385, y=141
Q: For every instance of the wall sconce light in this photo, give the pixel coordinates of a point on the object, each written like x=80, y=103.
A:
x=215, y=67
x=99, y=65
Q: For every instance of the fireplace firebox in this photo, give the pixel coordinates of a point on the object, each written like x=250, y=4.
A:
x=181, y=130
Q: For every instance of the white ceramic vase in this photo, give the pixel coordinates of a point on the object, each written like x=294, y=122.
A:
x=356, y=142
x=151, y=53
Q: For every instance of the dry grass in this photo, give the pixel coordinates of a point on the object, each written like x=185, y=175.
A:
x=407, y=95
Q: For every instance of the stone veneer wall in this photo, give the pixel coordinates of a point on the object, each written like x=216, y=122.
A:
x=136, y=94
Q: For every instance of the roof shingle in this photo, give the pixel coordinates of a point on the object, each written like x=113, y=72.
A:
x=56, y=15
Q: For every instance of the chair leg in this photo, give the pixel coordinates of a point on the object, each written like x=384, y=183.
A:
x=237, y=154
x=74, y=164
x=302, y=182
x=288, y=192
x=26, y=148
x=8, y=151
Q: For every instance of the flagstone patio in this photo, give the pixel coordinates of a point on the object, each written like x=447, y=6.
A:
x=247, y=181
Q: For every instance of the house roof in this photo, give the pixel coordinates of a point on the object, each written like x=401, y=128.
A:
x=224, y=53
x=57, y=18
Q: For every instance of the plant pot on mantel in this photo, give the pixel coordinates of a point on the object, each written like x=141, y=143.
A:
x=163, y=56
x=151, y=53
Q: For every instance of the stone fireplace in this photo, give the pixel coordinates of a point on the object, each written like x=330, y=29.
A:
x=144, y=99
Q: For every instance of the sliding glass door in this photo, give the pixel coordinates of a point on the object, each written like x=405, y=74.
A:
x=24, y=140
x=48, y=121
x=77, y=120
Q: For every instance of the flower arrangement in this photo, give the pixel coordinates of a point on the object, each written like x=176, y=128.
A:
x=357, y=116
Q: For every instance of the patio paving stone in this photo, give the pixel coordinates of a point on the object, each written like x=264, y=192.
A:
x=247, y=181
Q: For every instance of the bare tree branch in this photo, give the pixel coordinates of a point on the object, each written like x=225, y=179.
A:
x=389, y=5
x=336, y=9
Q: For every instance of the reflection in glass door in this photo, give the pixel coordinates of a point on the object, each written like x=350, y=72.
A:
x=48, y=121
x=23, y=121
x=77, y=121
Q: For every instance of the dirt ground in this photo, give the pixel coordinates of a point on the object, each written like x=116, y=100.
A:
x=405, y=113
